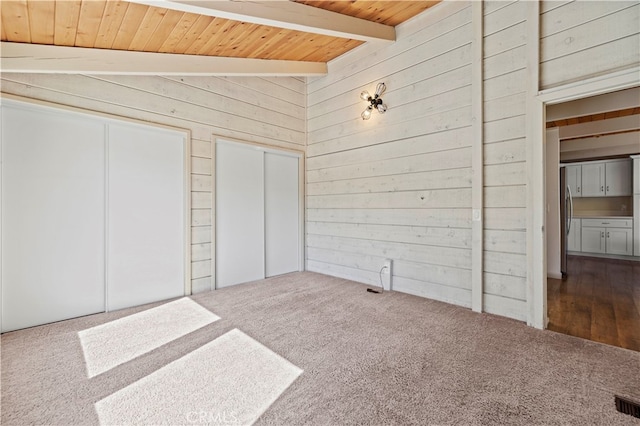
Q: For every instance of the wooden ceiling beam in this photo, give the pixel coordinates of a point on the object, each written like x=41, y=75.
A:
x=601, y=127
x=35, y=58
x=613, y=101
x=599, y=147
x=284, y=14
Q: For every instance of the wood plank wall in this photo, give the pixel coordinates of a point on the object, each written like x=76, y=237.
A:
x=399, y=185
x=584, y=39
x=396, y=186
x=505, y=86
x=262, y=110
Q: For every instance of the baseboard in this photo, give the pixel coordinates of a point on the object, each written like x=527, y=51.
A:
x=554, y=275
x=604, y=256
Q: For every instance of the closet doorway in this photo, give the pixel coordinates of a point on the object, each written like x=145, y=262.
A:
x=93, y=214
x=258, y=212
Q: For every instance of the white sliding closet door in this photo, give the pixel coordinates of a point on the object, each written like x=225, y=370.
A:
x=239, y=214
x=257, y=213
x=53, y=204
x=282, y=240
x=93, y=214
x=145, y=215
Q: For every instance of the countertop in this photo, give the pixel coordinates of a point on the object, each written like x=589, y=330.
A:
x=602, y=214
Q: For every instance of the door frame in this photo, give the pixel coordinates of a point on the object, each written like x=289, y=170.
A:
x=536, y=135
x=300, y=154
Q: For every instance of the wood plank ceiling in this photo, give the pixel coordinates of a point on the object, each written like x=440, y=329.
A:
x=120, y=25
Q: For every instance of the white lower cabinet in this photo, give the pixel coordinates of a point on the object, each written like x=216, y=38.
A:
x=610, y=236
x=593, y=240
x=620, y=241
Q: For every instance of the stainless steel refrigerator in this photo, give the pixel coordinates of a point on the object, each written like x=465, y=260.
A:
x=566, y=215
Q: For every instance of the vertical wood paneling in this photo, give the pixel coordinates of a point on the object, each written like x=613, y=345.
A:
x=114, y=12
x=41, y=24
x=201, y=23
x=15, y=20
x=67, y=14
x=535, y=237
x=397, y=186
x=130, y=23
x=152, y=18
x=164, y=28
x=226, y=107
x=477, y=190
x=505, y=168
x=179, y=31
x=90, y=18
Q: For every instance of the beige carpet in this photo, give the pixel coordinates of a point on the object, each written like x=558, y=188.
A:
x=108, y=345
x=362, y=358
x=232, y=379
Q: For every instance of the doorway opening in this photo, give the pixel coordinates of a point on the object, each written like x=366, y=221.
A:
x=593, y=224
x=259, y=207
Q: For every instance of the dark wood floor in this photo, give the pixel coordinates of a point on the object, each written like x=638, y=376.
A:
x=599, y=300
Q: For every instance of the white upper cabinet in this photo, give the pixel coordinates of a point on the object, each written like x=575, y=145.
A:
x=607, y=178
x=593, y=180
x=618, y=178
x=574, y=180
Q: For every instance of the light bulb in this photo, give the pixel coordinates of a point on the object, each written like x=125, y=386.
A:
x=380, y=88
x=382, y=108
x=366, y=114
x=365, y=95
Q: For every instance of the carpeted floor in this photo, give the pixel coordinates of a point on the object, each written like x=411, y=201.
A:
x=351, y=357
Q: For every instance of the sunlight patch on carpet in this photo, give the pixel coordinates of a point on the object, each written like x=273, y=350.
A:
x=108, y=345
x=231, y=380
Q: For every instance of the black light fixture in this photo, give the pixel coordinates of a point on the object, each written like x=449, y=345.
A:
x=374, y=101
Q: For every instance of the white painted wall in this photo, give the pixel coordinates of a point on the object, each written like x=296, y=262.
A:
x=396, y=186
x=262, y=110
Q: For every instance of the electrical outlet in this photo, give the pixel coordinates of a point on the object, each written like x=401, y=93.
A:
x=386, y=274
